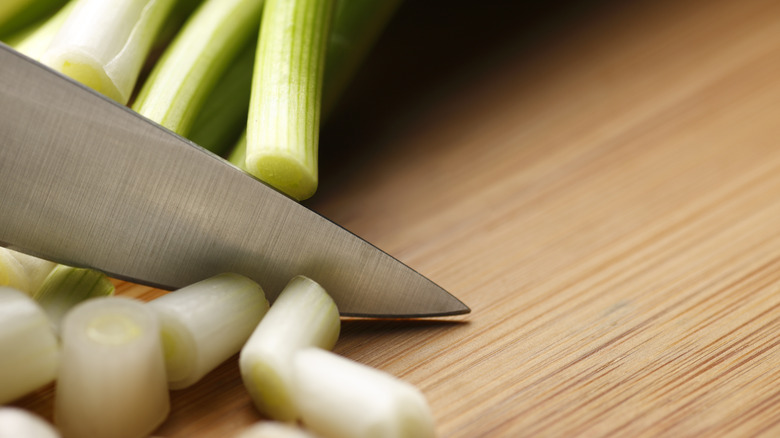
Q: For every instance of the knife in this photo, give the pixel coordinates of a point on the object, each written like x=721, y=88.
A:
x=87, y=182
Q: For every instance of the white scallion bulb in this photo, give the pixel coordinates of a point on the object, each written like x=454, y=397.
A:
x=341, y=398
x=204, y=324
x=302, y=316
x=112, y=377
x=29, y=352
x=273, y=429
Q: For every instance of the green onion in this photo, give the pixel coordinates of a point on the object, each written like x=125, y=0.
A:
x=340, y=398
x=197, y=57
x=357, y=25
x=103, y=44
x=34, y=41
x=65, y=287
x=35, y=269
x=284, y=109
x=238, y=155
x=16, y=15
x=19, y=423
x=303, y=315
x=273, y=429
x=203, y=324
x=12, y=272
x=111, y=381
x=29, y=353
x=223, y=115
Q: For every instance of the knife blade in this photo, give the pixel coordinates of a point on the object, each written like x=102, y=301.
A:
x=87, y=182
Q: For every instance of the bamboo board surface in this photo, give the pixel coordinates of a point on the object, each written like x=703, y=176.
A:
x=600, y=183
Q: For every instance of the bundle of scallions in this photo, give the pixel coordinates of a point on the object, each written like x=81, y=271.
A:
x=246, y=79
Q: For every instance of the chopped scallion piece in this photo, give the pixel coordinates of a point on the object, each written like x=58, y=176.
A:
x=273, y=429
x=303, y=315
x=65, y=287
x=29, y=352
x=36, y=270
x=341, y=398
x=238, y=155
x=205, y=323
x=19, y=423
x=103, y=44
x=12, y=272
x=199, y=54
x=111, y=381
x=284, y=109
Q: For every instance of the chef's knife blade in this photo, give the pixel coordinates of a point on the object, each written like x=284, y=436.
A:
x=87, y=182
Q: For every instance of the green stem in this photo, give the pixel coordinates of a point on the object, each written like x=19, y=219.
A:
x=284, y=110
x=195, y=60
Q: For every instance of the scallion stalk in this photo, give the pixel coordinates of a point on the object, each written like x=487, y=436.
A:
x=302, y=316
x=284, y=109
x=16, y=15
x=66, y=286
x=12, y=272
x=112, y=380
x=29, y=352
x=205, y=323
x=199, y=54
x=223, y=115
x=103, y=44
x=35, y=269
x=273, y=429
x=237, y=156
x=35, y=41
x=357, y=25
x=341, y=398
x=20, y=423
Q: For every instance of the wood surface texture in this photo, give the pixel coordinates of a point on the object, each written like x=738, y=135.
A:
x=599, y=182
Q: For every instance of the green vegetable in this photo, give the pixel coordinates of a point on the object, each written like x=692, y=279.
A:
x=29, y=352
x=103, y=44
x=36, y=39
x=195, y=60
x=303, y=315
x=223, y=115
x=204, y=324
x=340, y=398
x=284, y=109
x=357, y=25
x=12, y=272
x=65, y=287
x=15, y=15
x=112, y=380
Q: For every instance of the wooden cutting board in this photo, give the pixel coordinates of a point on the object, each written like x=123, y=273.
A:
x=599, y=181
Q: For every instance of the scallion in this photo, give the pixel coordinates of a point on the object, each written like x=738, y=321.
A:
x=35, y=269
x=273, y=429
x=203, y=324
x=284, y=109
x=112, y=380
x=12, y=273
x=103, y=44
x=341, y=398
x=302, y=316
x=35, y=41
x=66, y=286
x=20, y=423
x=194, y=61
x=29, y=352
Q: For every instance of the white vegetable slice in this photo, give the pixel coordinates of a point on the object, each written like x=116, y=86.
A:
x=19, y=423
x=338, y=397
x=66, y=286
x=12, y=273
x=203, y=324
x=103, y=44
x=303, y=315
x=29, y=352
x=112, y=377
x=273, y=429
x=37, y=269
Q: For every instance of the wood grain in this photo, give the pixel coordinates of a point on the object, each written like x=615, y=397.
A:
x=601, y=185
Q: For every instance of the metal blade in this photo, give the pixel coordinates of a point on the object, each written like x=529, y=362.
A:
x=87, y=182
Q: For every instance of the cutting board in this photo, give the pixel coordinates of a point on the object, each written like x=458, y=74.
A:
x=599, y=181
